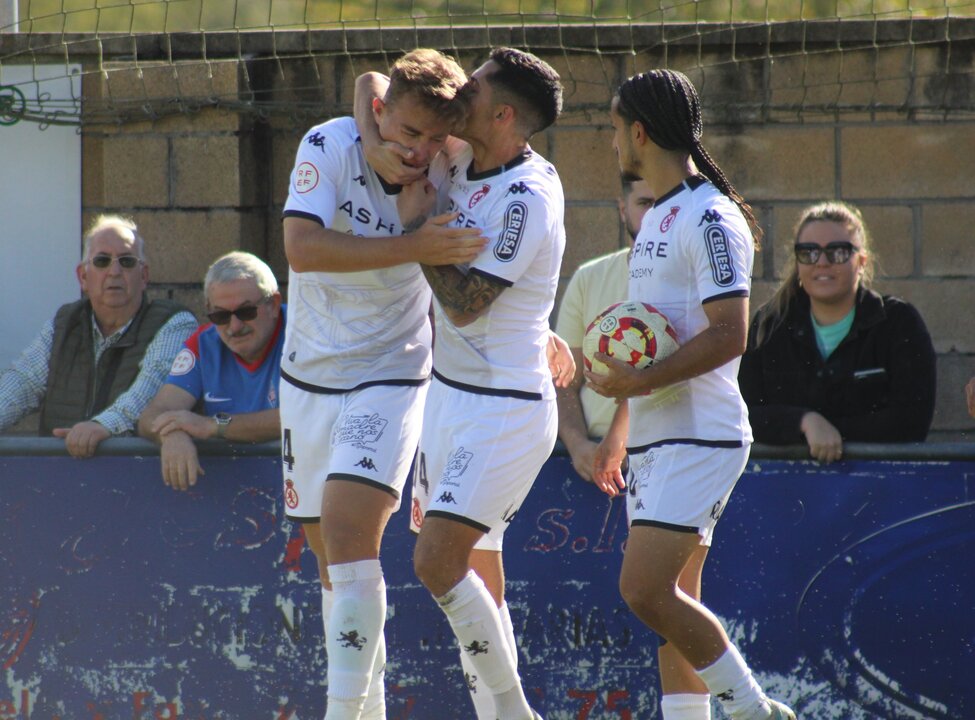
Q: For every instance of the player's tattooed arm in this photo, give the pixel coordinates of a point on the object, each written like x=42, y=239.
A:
x=464, y=297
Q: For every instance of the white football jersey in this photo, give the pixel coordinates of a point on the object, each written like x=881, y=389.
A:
x=520, y=208
x=350, y=329
x=694, y=247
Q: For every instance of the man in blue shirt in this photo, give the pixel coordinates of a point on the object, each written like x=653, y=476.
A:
x=230, y=367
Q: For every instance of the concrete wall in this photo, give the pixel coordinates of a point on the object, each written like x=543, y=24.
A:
x=891, y=131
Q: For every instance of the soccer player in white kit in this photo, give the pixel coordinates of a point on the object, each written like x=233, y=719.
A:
x=490, y=420
x=692, y=259
x=357, y=357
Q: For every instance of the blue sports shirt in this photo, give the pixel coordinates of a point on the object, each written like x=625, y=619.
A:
x=208, y=370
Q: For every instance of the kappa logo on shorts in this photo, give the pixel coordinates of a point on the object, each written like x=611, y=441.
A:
x=447, y=497
x=478, y=647
x=471, y=681
x=359, y=430
x=719, y=253
x=367, y=464
x=457, y=463
x=352, y=639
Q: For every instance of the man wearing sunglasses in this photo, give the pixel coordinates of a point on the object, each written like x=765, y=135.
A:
x=100, y=360
x=224, y=382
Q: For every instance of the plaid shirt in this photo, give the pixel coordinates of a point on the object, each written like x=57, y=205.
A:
x=23, y=384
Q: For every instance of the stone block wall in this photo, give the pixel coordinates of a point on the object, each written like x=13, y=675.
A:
x=204, y=182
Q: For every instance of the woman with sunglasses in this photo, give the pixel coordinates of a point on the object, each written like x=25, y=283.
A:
x=829, y=360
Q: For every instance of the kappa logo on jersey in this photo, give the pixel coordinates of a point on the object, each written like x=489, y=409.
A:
x=366, y=464
x=306, y=178
x=514, y=227
x=359, y=430
x=183, y=362
x=352, y=639
x=447, y=497
x=318, y=140
x=722, y=269
x=518, y=188
x=478, y=196
x=669, y=220
x=710, y=216
x=457, y=463
x=471, y=681
x=361, y=179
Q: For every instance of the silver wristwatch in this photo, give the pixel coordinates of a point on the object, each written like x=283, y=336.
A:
x=223, y=420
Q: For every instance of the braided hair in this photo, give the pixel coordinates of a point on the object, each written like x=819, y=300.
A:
x=667, y=105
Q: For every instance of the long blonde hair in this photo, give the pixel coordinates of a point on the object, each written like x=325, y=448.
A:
x=771, y=315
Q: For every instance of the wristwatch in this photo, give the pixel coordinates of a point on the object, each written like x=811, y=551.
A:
x=223, y=420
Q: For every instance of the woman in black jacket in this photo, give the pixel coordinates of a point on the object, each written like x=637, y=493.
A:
x=830, y=360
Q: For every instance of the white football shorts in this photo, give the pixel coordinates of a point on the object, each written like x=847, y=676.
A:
x=682, y=487
x=368, y=436
x=479, y=457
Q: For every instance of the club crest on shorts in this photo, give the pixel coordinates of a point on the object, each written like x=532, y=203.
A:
x=360, y=430
x=290, y=494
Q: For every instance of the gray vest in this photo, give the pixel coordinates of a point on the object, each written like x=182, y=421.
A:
x=78, y=390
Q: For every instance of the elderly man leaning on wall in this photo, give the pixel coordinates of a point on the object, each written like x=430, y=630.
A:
x=229, y=369
x=100, y=360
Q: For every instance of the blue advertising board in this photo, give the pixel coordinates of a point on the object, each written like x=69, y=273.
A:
x=848, y=588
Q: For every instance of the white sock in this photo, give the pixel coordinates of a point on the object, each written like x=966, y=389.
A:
x=686, y=706
x=476, y=623
x=352, y=639
x=730, y=680
x=327, y=600
x=509, y=633
x=375, y=707
x=480, y=694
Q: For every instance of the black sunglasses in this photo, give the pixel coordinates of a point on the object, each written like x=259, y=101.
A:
x=126, y=261
x=836, y=252
x=244, y=313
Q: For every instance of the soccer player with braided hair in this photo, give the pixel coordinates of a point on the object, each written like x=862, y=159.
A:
x=692, y=259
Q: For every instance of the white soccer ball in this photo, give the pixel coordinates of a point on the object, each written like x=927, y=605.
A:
x=634, y=332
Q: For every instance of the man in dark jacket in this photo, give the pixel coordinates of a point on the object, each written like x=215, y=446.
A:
x=100, y=360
